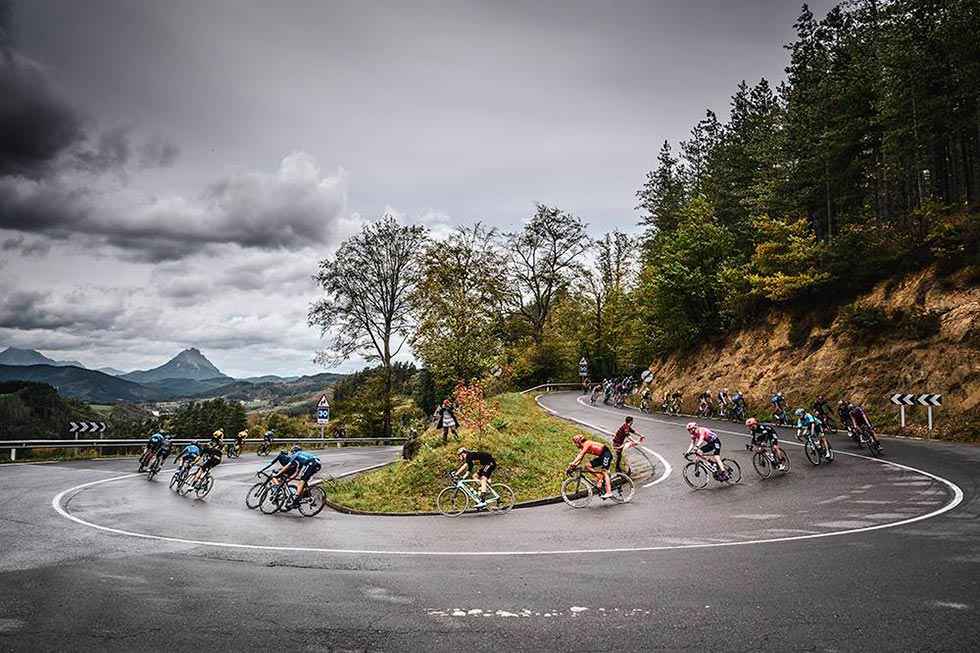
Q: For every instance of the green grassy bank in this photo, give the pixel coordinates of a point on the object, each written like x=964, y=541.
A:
x=532, y=450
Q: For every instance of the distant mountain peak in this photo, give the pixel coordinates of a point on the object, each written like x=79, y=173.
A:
x=188, y=364
x=21, y=357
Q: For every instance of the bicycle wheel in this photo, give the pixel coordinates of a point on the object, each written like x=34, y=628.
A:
x=812, y=452
x=507, y=497
x=733, y=469
x=622, y=488
x=452, y=502
x=204, y=487
x=254, y=496
x=184, y=486
x=763, y=467
x=271, y=499
x=695, y=475
x=175, y=479
x=873, y=447
x=576, y=491
x=313, y=502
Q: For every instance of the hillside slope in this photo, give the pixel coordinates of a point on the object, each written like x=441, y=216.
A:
x=917, y=334
x=86, y=385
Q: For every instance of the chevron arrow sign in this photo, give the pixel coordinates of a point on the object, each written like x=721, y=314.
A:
x=900, y=399
x=930, y=400
x=72, y=427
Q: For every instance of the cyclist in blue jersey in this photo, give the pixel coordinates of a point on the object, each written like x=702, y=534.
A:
x=805, y=422
x=282, y=460
x=302, y=465
x=187, y=455
x=153, y=445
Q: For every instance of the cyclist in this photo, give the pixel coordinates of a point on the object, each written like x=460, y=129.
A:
x=487, y=465
x=598, y=466
x=208, y=459
x=764, y=435
x=596, y=389
x=302, y=465
x=708, y=445
x=153, y=444
x=240, y=441
x=859, y=420
x=810, y=424
x=190, y=453
x=704, y=404
x=625, y=433
x=738, y=404
x=778, y=406
x=645, y=400
x=844, y=415
x=821, y=410
x=164, y=452
x=723, y=402
x=218, y=438
x=266, y=442
x=282, y=459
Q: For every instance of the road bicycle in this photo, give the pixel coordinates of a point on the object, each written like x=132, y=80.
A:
x=699, y=470
x=779, y=416
x=254, y=495
x=233, y=450
x=581, y=485
x=737, y=413
x=644, y=405
x=865, y=438
x=179, y=477
x=279, y=497
x=457, y=498
x=704, y=409
x=200, y=487
x=155, y=464
x=765, y=461
x=815, y=453
x=828, y=423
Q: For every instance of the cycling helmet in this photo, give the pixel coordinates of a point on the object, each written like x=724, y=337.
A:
x=196, y=443
x=800, y=412
x=752, y=422
x=462, y=450
x=296, y=448
x=692, y=427
x=218, y=434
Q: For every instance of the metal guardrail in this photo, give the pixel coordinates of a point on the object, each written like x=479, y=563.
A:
x=551, y=387
x=14, y=445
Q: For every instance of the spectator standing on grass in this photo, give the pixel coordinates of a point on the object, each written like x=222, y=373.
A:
x=446, y=420
x=625, y=433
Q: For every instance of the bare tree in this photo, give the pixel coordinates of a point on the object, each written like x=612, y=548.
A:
x=366, y=304
x=543, y=257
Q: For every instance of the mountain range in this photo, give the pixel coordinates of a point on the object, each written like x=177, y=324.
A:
x=14, y=356
x=188, y=375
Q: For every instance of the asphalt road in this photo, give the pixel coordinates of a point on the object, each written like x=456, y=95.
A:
x=829, y=558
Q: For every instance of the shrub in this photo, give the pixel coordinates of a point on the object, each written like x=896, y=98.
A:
x=866, y=320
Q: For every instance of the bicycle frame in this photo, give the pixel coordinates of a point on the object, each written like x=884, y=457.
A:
x=467, y=485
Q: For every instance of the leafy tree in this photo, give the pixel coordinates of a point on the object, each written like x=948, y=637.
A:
x=663, y=194
x=542, y=258
x=366, y=307
x=786, y=262
x=458, y=304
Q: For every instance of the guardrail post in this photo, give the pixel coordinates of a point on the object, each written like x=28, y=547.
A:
x=13, y=454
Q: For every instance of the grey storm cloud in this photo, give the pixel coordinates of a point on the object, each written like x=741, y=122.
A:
x=36, y=123
x=290, y=209
x=25, y=247
x=38, y=310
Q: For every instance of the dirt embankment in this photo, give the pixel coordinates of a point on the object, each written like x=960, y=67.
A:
x=917, y=334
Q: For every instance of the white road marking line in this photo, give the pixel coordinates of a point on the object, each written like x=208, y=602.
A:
x=663, y=461
x=950, y=604
x=957, y=498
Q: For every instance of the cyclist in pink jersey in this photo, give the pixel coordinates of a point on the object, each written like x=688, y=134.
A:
x=708, y=445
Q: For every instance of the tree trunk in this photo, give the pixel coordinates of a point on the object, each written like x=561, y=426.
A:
x=386, y=423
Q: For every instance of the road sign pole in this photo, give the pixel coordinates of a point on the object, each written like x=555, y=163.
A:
x=902, y=410
x=929, y=408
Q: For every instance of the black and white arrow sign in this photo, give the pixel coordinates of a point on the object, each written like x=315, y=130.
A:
x=87, y=427
x=901, y=399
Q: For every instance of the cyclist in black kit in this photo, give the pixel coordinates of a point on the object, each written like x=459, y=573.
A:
x=487, y=465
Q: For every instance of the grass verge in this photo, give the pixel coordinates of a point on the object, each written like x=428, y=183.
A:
x=531, y=449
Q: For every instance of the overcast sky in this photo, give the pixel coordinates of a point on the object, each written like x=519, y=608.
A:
x=170, y=172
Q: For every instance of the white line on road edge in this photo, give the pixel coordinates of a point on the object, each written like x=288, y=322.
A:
x=666, y=465
x=956, y=500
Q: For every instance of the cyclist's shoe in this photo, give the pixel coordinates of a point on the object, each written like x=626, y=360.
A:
x=781, y=467
x=607, y=495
